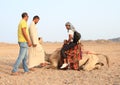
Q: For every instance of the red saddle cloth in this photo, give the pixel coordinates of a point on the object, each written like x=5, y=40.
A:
x=73, y=57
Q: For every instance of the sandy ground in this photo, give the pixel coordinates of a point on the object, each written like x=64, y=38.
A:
x=103, y=76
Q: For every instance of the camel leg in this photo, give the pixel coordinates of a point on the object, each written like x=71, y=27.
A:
x=91, y=64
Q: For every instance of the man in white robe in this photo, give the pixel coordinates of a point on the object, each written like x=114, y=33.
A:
x=36, y=55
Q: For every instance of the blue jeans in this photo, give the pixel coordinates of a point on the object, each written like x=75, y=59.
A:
x=23, y=54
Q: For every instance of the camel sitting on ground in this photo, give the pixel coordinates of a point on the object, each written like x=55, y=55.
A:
x=88, y=62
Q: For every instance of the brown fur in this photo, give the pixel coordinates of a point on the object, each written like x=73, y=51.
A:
x=55, y=60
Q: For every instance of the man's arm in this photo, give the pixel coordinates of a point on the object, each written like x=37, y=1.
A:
x=26, y=36
x=33, y=35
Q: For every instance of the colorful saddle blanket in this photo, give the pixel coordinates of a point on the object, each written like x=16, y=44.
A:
x=73, y=57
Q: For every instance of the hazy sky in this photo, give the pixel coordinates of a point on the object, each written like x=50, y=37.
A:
x=94, y=19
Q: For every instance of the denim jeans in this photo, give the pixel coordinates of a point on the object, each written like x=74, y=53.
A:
x=22, y=58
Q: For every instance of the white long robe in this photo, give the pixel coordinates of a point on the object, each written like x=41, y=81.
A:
x=36, y=55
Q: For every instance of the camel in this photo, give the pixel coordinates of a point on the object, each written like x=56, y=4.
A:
x=91, y=61
x=88, y=62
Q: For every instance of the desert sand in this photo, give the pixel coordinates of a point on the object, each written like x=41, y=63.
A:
x=103, y=76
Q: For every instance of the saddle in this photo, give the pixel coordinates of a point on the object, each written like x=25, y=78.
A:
x=73, y=57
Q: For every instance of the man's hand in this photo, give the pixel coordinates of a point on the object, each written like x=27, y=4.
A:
x=34, y=45
x=29, y=43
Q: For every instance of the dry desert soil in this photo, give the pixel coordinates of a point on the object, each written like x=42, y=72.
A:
x=103, y=76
